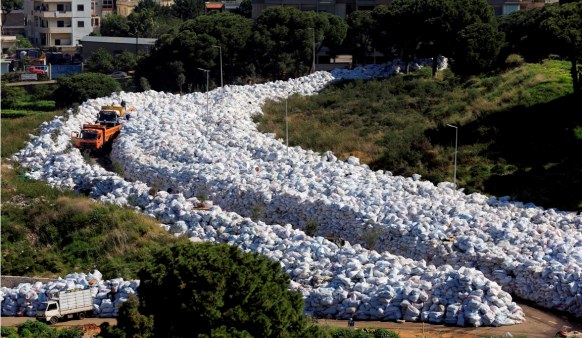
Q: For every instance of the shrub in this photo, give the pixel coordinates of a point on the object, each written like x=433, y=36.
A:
x=514, y=61
x=11, y=95
x=81, y=87
x=8, y=332
x=218, y=288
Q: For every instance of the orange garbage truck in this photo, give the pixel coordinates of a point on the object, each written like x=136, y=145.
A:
x=94, y=136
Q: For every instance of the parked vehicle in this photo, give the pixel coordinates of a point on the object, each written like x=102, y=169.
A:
x=67, y=304
x=118, y=75
x=36, y=70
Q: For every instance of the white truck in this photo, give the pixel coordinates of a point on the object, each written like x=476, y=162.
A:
x=66, y=304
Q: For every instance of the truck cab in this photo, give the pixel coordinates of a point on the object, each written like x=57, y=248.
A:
x=48, y=311
x=88, y=139
x=108, y=117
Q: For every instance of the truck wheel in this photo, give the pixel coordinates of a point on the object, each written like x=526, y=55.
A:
x=81, y=315
x=54, y=320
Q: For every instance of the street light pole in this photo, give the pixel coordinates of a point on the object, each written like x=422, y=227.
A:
x=456, y=143
x=313, y=65
x=136, y=36
x=287, y=124
x=207, y=99
x=221, y=76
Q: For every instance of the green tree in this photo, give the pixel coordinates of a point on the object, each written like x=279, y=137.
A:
x=218, y=290
x=131, y=322
x=359, y=37
x=477, y=40
x=115, y=25
x=125, y=61
x=282, y=39
x=397, y=30
x=81, y=87
x=231, y=33
x=188, y=9
x=21, y=42
x=245, y=9
x=100, y=62
x=34, y=329
x=332, y=31
x=524, y=35
x=7, y=7
x=564, y=22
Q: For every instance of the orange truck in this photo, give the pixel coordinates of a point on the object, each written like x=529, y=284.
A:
x=94, y=136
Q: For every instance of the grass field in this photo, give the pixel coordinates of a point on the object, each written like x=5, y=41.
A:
x=519, y=130
x=48, y=232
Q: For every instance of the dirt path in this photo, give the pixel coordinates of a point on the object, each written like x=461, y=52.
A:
x=15, y=321
x=539, y=324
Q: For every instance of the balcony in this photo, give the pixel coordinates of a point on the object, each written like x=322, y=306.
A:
x=56, y=1
x=54, y=14
x=55, y=30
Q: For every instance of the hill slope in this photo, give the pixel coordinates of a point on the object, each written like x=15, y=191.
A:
x=517, y=130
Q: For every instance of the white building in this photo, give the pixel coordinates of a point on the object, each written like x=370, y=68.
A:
x=59, y=23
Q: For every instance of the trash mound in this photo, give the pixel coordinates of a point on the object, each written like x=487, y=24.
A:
x=173, y=144
x=109, y=294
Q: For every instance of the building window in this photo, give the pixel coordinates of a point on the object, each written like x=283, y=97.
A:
x=80, y=8
x=57, y=42
x=60, y=7
x=107, y=4
x=80, y=24
x=60, y=24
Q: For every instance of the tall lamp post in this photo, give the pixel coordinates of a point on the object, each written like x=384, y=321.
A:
x=221, y=75
x=136, y=36
x=287, y=124
x=313, y=43
x=207, y=99
x=456, y=142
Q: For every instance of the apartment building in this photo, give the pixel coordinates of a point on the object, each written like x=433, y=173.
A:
x=342, y=8
x=59, y=23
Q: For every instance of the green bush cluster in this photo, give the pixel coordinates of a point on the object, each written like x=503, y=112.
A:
x=36, y=329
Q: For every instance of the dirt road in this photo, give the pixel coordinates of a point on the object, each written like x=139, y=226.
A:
x=539, y=324
x=15, y=321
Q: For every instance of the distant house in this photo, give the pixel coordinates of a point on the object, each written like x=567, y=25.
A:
x=342, y=8
x=126, y=7
x=15, y=23
x=115, y=45
x=60, y=24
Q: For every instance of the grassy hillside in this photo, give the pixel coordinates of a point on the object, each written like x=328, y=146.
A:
x=520, y=132
x=47, y=232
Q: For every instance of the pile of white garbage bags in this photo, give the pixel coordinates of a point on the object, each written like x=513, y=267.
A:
x=108, y=294
x=462, y=249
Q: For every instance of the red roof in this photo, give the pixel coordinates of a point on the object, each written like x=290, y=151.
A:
x=214, y=5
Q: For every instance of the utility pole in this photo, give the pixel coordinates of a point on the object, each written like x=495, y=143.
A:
x=456, y=143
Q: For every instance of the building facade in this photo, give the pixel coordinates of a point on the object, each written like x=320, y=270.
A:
x=342, y=8
x=58, y=23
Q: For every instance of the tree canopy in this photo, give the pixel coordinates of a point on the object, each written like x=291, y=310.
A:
x=82, y=87
x=7, y=7
x=564, y=23
x=194, y=290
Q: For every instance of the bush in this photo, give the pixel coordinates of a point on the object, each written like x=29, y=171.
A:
x=85, y=86
x=11, y=96
x=218, y=289
x=8, y=332
x=514, y=61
